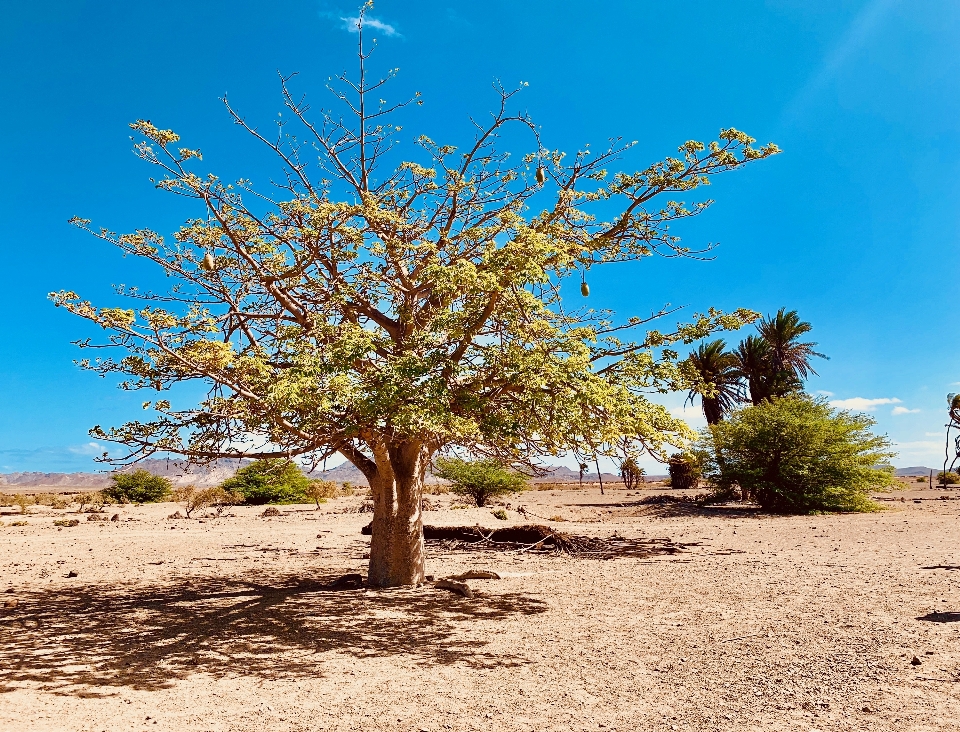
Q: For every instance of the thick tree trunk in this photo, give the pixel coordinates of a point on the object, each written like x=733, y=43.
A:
x=396, y=544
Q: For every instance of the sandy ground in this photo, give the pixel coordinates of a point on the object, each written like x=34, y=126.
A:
x=768, y=623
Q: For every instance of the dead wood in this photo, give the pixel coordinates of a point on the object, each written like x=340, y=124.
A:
x=459, y=587
x=540, y=539
x=474, y=574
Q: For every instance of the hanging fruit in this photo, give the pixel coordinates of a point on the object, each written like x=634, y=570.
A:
x=585, y=289
x=541, y=176
x=207, y=263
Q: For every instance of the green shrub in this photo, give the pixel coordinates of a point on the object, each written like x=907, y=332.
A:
x=479, y=479
x=269, y=481
x=948, y=478
x=797, y=455
x=685, y=470
x=140, y=486
x=921, y=479
x=500, y=514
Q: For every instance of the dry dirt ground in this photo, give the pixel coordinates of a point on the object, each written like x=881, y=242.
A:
x=764, y=623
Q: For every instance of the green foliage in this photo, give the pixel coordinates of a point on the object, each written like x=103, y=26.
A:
x=500, y=514
x=479, y=479
x=797, y=455
x=684, y=470
x=948, y=478
x=718, y=379
x=775, y=362
x=272, y=480
x=140, y=486
x=420, y=306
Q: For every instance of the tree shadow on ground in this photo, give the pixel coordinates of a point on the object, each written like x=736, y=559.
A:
x=941, y=617
x=93, y=640
x=668, y=506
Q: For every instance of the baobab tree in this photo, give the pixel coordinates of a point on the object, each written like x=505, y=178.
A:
x=386, y=313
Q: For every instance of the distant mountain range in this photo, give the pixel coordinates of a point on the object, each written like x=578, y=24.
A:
x=917, y=470
x=218, y=471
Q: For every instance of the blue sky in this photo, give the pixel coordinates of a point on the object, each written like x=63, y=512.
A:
x=855, y=225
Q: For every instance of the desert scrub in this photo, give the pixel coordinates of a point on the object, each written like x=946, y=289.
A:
x=798, y=455
x=948, y=478
x=23, y=502
x=500, y=514
x=481, y=480
x=321, y=490
x=140, y=486
x=435, y=489
x=269, y=481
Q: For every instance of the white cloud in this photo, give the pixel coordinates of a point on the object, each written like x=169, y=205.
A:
x=352, y=25
x=903, y=410
x=90, y=448
x=692, y=414
x=918, y=446
x=862, y=404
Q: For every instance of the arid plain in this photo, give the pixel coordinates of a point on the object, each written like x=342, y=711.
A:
x=832, y=622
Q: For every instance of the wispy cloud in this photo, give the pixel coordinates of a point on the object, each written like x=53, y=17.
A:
x=824, y=392
x=857, y=35
x=918, y=446
x=90, y=448
x=903, y=410
x=862, y=404
x=351, y=24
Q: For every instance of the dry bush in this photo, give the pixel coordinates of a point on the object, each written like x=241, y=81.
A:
x=558, y=517
x=347, y=489
x=6, y=500
x=436, y=489
x=23, y=502
x=500, y=514
x=191, y=498
x=219, y=498
x=88, y=498
x=321, y=490
x=53, y=500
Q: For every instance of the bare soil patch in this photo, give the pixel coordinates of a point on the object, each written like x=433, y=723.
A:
x=246, y=622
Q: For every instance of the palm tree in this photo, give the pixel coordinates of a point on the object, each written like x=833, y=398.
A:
x=776, y=362
x=781, y=332
x=719, y=384
x=754, y=364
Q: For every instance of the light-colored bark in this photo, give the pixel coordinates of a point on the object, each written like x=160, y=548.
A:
x=397, y=554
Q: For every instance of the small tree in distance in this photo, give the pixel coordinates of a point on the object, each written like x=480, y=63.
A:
x=269, y=481
x=321, y=490
x=386, y=307
x=631, y=473
x=479, y=479
x=140, y=486
x=684, y=471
